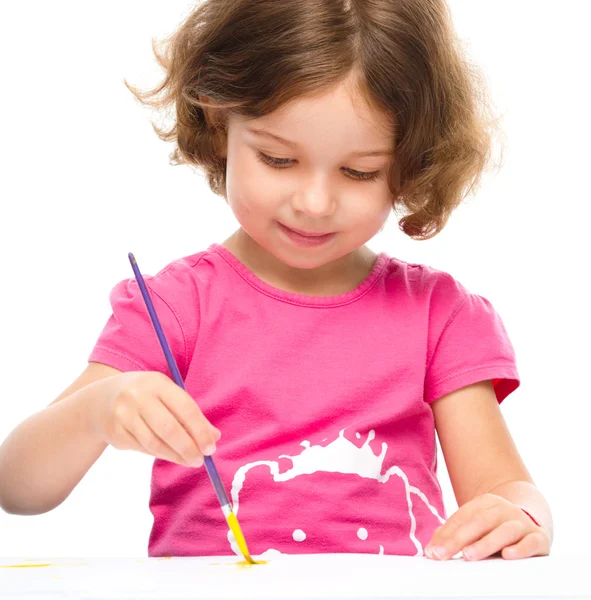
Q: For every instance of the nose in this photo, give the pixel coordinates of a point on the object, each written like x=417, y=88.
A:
x=315, y=200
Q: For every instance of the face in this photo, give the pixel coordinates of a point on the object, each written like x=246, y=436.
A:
x=322, y=179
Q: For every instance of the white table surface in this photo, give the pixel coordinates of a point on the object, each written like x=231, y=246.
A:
x=320, y=576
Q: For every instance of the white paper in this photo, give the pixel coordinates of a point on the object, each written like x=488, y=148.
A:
x=319, y=576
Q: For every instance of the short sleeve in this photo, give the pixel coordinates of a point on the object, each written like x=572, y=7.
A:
x=473, y=346
x=128, y=341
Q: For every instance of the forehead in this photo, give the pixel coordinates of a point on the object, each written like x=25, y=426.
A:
x=330, y=113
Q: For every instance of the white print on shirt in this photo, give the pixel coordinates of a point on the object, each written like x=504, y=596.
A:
x=340, y=456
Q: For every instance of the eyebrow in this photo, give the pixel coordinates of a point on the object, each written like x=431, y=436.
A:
x=291, y=144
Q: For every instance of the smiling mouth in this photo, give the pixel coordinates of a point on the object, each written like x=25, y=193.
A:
x=305, y=233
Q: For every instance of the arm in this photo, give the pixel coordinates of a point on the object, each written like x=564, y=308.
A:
x=526, y=495
x=46, y=456
x=480, y=454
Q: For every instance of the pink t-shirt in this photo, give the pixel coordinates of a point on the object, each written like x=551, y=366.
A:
x=328, y=440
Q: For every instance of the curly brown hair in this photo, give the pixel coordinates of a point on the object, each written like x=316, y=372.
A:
x=250, y=57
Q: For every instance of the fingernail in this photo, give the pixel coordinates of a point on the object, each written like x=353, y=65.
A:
x=428, y=552
x=198, y=462
x=209, y=450
x=439, y=552
x=468, y=553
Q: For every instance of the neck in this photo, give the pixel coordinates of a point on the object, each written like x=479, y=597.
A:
x=336, y=277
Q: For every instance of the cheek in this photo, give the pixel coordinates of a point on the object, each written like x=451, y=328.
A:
x=249, y=188
x=386, y=206
x=370, y=208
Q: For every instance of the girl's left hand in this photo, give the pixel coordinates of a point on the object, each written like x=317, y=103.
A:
x=486, y=525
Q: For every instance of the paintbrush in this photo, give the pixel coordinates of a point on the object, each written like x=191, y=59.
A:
x=209, y=464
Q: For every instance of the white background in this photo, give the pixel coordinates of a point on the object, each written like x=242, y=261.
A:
x=85, y=181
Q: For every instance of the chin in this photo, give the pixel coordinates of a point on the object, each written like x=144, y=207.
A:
x=301, y=261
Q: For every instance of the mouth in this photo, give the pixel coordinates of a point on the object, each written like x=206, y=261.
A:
x=307, y=233
x=305, y=239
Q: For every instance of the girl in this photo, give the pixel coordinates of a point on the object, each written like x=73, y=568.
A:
x=328, y=368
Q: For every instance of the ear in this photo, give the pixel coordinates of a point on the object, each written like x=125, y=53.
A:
x=213, y=119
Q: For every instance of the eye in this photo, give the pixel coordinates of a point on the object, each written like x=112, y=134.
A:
x=283, y=163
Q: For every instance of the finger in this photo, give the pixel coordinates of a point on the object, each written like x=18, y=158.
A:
x=533, y=544
x=507, y=533
x=188, y=413
x=165, y=426
x=448, y=545
x=126, y=440
x=123, y=440
x=151, y=444
x=463, y=516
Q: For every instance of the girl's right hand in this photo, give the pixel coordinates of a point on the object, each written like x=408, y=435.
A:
x=148, y=412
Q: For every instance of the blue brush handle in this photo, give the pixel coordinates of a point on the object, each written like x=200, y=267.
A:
x=209, y=464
